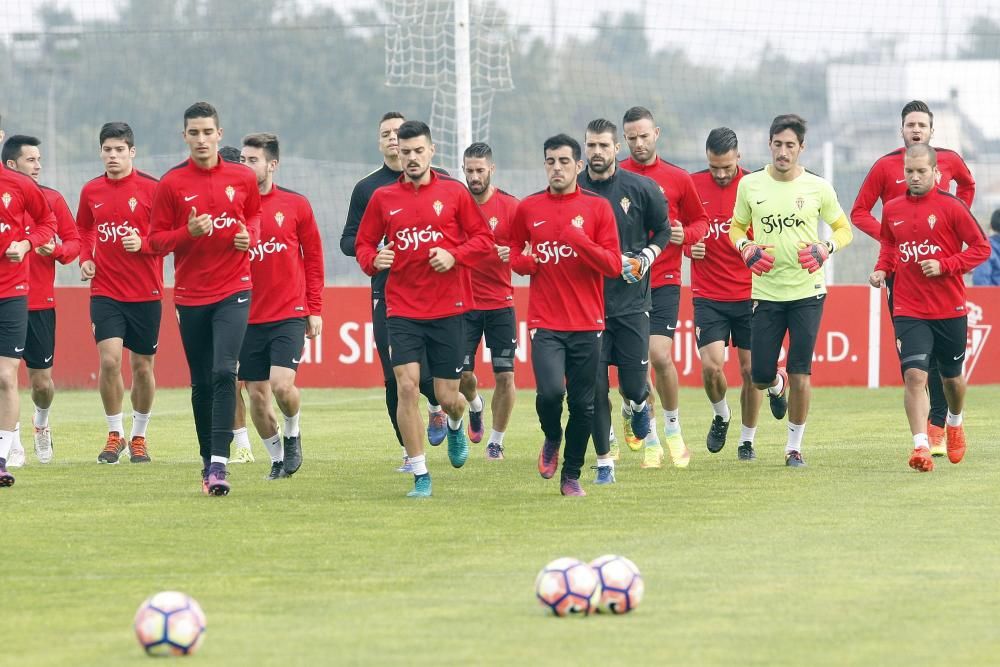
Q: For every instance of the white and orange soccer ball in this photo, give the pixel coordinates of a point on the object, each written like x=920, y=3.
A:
x=170, y=623
x=620, y=583
x=567, y=586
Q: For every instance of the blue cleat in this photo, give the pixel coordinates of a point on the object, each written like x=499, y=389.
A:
x=640, y=421
x=475, y=425
x=421, y=486
x=407, y=466
x=217, y=484
x=437, y=427
x=458, y=446
x=605, y=474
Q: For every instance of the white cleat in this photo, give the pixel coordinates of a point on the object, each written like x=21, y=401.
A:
x=43, y=444
x=16, y=457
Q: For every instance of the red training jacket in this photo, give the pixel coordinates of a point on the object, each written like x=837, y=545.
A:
x=24, y=214
x=721, y=275
x=42, y=268
x=491, y=284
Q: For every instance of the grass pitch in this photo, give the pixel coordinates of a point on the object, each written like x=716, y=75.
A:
x=855, y=560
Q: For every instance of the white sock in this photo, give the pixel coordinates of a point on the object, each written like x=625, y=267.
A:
x=242, y=438
x=476, y=404
x=795, y=432
x=747, y=433
x=626, y=408
x=433, y=408
x=722, y=409
x=637, y=407
x=41, y=417
x=953, y=420
x=6, y=441
x=291, y=429
x=672, y=421
x=273, y=447
x=219, y=459
x=454, y=424
x=606, y=463
x=496, y=436
x=139, y=423
x=418, y=464
x=652, y=438
x=115, y=423
x=920, y=441
x=611, y=434
x=778, y=387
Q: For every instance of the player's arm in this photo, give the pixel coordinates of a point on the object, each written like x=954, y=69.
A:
x=478, y=246
x=356, y=210
x=965, y=184
x=755, y=255
x=85, y=227
x=43, y=220
x=311, y=244
x=370, y=233
x=693, y=216
x=887, y=255
x=251, y=210
x=655, y=220
x=69, y=248
x=603, y=252
x=522, y=259
x=165, y=234
x=871, y=190
x=977, y=246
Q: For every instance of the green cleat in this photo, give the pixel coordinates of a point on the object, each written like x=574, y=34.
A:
x=458, y=447
x=421, y=486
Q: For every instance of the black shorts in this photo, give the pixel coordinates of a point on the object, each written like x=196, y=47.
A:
x=625, y=341
x=442, y=340
x=722, y=320
x=918, y=341
x=13, y=326
x=500, y=329
x=137, y=323
x=271, y=344
x=666, y=304
x=770, y=321
x=40, y=344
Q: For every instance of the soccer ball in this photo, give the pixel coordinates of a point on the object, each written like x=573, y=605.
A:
x=170, y=623
x=567, y=586
x=620, y=584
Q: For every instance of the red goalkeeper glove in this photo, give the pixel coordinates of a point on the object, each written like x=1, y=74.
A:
x=756, y=257
x=813, y=255
x=634, y=268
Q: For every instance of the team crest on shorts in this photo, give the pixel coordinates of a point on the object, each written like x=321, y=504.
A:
x=976, y=335
x=279, y=218
x=625, y=204
x=132, y=203
x=5, y=197
x=438, y=206
x=493, y=222
x=932, y=220
x=230, y=192
x=800, y=202
x=578, y=221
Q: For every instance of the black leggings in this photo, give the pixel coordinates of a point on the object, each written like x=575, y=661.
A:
x=935, y=388
x=212, y=336
x=634, y=387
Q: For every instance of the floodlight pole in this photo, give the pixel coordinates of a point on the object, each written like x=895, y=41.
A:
x=463, y=81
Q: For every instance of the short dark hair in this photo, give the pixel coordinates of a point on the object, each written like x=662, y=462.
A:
x=230, y=154
x=789, y=121
x=12, y=147
x=201, y=110
x=412, y=129
x=637, y=113
x=116, y=130
x=995, y=221
x=479, y=149
x=603, y=126
x=266, y=141
x=560, y=140
x=916, y=106
x=721, y=140
x=389, y=115
x=920, y=150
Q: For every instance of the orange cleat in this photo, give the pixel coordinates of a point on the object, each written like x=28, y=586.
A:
x=935, y=436
x=921, y=460
x=955, y=436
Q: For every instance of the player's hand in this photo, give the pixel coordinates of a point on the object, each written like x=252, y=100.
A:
x=756, y=257
x=698, y=250
x=813, y=255
x=314, y=326
x=87, y=270
x=47, y=249
x=241, y=241
x=931, y=268
x=877, y=278
x=441, y=260
x=199, y=225
x=132, y=241
x=17, y=250
x=676, y=233
x=635, y=268
x=503, y=252
x=385, y=257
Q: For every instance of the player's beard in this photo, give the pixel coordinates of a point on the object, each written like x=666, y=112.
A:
x=600, y=167
x=480, y=187
x=417, y=177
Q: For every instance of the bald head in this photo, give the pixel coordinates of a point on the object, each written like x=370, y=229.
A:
x=920, y=169
x=922, y=150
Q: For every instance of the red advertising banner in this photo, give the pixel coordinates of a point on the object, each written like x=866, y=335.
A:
x=345, y=355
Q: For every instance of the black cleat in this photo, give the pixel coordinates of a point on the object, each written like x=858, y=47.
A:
x=717, y=435
x=745, y=451
x=293, y=455
x=779, y=403
x=276, y=471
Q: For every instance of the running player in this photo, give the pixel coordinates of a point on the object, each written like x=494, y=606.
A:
x=389, y=173
x=207, y=212
x=21, y=153
x=886, y=181
x=494, y=299
x=641, y=220
x=126, y=287
x=688, y=224
x=566, y=239
x=782, y=204
x=720, y=290
x=921, y=244
x=435, y=233
x=287, y=271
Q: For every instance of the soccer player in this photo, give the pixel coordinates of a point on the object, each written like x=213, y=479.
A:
x=21, y=153
x=886, y=181
x=207, y=212
x=720, y=290
x=566, y=239
x=921, y=244
x=126, y=287
x=286, y=267
x=389, y=173
x=494, y=299
x=26, y=222
x=688, y=223
x=782, y=204
x=434, y=233
x=641, y=220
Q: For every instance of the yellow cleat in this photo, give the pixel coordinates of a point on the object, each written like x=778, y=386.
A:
x=935, y=436
x=615, y=450
x=652, y=457
x=634, y=443
x=680, y=455
x=243, y=455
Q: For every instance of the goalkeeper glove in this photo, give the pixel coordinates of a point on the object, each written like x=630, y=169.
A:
x=634, y=268
x=812, y=255
x=756, y=257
